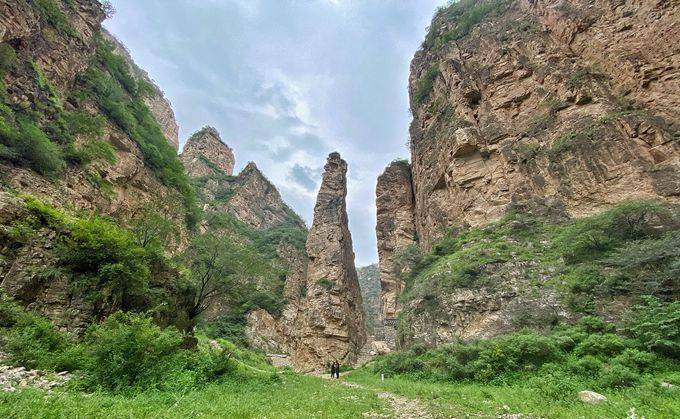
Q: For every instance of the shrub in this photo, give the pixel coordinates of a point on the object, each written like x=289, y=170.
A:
x=34, y=342
x=617, y=375
x=129, y=351
x=606, y=345
x=51, y=12
x=656, y=325
x=8, y=58
x=37, y=150
x=425, y=85
x=635, y=360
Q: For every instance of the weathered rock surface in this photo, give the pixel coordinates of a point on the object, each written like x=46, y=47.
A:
x=121, y=190
x=591, y=397
x=559, y=108
x=334, y=322
x=395, y=230
x=570, y=104
x=18, y=378
x=205, y=154
x=369, y=282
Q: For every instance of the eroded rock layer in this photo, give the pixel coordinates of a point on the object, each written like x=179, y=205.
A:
x=334, y=322
x=571, y=104
x=205, y=154
x=551, y=107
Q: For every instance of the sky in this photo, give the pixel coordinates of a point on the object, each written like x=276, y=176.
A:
x=286, y=82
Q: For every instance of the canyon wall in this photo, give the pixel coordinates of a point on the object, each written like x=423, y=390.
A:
x=557, y=108
x=59, y=146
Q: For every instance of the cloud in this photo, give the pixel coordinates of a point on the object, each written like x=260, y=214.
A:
x=286, y=82
x=305, y=176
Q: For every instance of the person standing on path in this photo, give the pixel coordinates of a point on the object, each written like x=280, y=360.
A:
x=336, y=367
x=332, y=369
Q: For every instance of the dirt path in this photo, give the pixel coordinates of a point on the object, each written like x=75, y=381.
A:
x=402, y=407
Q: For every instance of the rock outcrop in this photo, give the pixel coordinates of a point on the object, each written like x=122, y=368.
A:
x=395, y=229
x=334, y=321
x=570, y=105
x=552, y=107
x=205, y=154
x=158, y=104
x=45, y=55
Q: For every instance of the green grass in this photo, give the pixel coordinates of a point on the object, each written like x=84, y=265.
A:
x=290, y=396
x=485, y=400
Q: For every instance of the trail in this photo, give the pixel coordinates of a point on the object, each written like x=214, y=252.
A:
x=402, y=407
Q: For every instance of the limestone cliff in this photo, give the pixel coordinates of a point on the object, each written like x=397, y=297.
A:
x=334, y=322
x=61, y=143
x=158, y=104
x=254, y=211
x=205, y=154
x=558, y=108
x=571, y=104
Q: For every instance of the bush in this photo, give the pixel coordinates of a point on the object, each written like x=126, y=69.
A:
x=129, y=351
x=33, y=146
x=34, y=342
x=606, y=345
x=656, y=325
x=425, y=85
x=617, y=375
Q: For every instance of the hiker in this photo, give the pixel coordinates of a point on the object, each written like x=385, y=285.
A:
x=336, y=369
x=332, y=369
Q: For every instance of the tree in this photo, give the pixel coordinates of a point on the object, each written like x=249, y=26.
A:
x=153, y=227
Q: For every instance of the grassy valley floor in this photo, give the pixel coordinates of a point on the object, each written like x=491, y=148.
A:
x=288, y=396
x=462, y=400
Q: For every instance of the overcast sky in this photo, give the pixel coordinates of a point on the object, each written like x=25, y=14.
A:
x=286, y=82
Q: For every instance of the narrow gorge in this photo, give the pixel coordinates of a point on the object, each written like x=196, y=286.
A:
x=528, y=249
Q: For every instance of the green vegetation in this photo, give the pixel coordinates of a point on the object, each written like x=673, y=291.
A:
x=629, y=251
x=130, y=367
x=121, y=98
x=426, y=84
x=464, y=15
x=541, y=374
x=247, y=394
x=50, y=11
x=41, y=135
x=474, y=399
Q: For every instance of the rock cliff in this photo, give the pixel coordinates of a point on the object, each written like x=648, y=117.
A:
x=333, y=327
x=158, y=104
x=558, y=108
x=61, y=143
x=205, y=154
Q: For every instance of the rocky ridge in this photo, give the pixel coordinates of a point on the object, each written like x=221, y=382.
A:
x=205, y=154
x=559, y=108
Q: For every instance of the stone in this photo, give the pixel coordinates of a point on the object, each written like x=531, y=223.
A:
x=333, y=323
x=591, y=397
x=395, y=231
x=205, y=154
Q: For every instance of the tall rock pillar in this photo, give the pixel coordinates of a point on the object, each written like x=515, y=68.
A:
x=334, y=321
x=395, y=230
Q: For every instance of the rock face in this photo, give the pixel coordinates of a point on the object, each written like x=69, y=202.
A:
x=395, y=229
x=205, y=153
x=334, y=320
x=560, y=108
x=567, y=104
x=48, y=61
x=158, y=104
